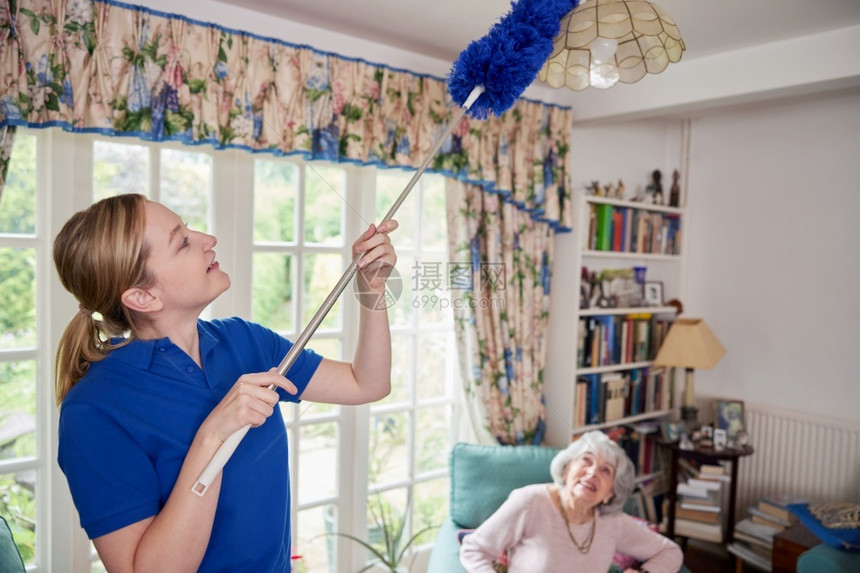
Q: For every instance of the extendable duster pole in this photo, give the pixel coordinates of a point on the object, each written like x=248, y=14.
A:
x=225, y=451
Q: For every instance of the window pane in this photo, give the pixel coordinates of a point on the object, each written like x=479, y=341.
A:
x=434, y=350
x=386, y=511
x=186, y=186
x=17, y=409
x=18, y=506
x=401, y=369
x=434, y=427
x=275, y=191
x=430, y=508
x=325, y=197
x=119, y=168
x=321, y=272
x=434, y=227
x=318, y=553
x=272, y=296
x=389, y=185
x=318, y=470
x=431, y=295
x=401, y=312
x=18, y=203
x=18, y=293
x=389, y=435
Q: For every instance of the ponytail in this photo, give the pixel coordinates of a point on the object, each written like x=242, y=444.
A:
x=99, y=254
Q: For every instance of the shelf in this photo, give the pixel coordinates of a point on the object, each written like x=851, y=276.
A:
x=630, y=255
x=622, y=421
x=613, y=367
x=628, y=310
x=634, y=205
x=646, y=477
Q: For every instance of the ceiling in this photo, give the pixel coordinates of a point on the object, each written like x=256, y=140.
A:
x=442, y=28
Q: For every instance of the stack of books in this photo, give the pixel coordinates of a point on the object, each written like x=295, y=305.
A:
x=754, y=534
x=772, y=511
x=698, y=513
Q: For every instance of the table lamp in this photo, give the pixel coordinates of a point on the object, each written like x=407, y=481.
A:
x=690, y=344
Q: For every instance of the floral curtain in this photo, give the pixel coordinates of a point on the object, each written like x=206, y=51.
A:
x=117, y=69
x=111, y=68
x=503, y=266
x=7, y=140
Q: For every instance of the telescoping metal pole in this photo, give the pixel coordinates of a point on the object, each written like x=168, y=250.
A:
x=225, y=451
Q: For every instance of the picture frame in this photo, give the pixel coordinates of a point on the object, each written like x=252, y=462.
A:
x=653, y=293
x=729, y=416
x=671, y=431
x=720, y=439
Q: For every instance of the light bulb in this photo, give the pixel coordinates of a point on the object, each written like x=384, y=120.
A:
x=603, y=75
x=602, y=72
x=603, y=49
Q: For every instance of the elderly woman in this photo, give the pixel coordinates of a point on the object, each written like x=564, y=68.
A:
x=573, y=524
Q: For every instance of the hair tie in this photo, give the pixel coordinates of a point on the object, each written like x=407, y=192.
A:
x=84, y=311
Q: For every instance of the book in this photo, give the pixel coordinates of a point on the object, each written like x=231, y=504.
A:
x=762, y=517
x=603, y=241
x=760, y=532
x=697, y=515
x=691, y=491
x=776, y=505
x=692, y=505
x=753, y=541
x=746, y=554
x=712, y=532
x=615, y=389
x=712, y=469
x=703, y=484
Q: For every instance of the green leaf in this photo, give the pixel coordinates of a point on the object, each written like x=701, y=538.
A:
x=34, y=26
x=196, y=86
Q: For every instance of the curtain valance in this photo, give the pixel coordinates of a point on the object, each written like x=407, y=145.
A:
x=117, y=69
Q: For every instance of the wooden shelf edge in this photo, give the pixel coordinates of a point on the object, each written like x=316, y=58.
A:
x=622, y=421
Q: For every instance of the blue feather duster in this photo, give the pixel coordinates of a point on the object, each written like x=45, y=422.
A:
x=507, y=60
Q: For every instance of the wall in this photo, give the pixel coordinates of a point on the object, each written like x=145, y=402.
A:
x=773, y=264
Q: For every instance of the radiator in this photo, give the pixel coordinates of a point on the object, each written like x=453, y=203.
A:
x=803, y=454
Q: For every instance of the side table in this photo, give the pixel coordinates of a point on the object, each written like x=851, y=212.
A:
x=789, y=544
x=706, y=455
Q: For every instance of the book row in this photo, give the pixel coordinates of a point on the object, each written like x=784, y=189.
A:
x=630, y=230
x=619, y=339
x=614, y=395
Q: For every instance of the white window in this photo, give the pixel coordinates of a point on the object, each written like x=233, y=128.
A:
x=285, y=229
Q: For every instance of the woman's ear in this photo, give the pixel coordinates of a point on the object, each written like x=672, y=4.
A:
x=141, y=300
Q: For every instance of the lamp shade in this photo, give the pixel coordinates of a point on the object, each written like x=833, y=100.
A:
x=690, y=344
x=647, y=41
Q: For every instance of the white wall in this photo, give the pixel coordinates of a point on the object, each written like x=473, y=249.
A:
x=773, y=261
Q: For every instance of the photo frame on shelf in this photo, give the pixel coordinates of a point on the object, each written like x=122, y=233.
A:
x=671, y=431
x=653, y=293
x=729, y=416
x=720, y=439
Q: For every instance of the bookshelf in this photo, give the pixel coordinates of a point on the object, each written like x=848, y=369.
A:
x=650, y=236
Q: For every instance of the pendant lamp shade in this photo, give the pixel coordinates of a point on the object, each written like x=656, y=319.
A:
x=602, y=42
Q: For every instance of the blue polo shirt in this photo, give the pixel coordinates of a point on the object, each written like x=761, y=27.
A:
x=126, y=426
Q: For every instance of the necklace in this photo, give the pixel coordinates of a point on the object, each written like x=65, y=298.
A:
x=586, y=545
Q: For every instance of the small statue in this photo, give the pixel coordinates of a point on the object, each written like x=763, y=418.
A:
x=619, y=191
x=593, y=189
x=654, y=191
x=675, y=192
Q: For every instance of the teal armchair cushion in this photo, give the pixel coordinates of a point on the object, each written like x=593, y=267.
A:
x=483, y=476
x=10, y=558
x=825, y=559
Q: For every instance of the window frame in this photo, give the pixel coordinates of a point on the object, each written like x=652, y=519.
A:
x=64, y=186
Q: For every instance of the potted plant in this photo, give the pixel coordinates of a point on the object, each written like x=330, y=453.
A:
x=389, y=527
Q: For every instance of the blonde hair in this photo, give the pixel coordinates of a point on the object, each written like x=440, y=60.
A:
x=99, y=254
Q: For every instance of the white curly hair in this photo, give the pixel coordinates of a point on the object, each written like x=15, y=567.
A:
x=599, y=443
